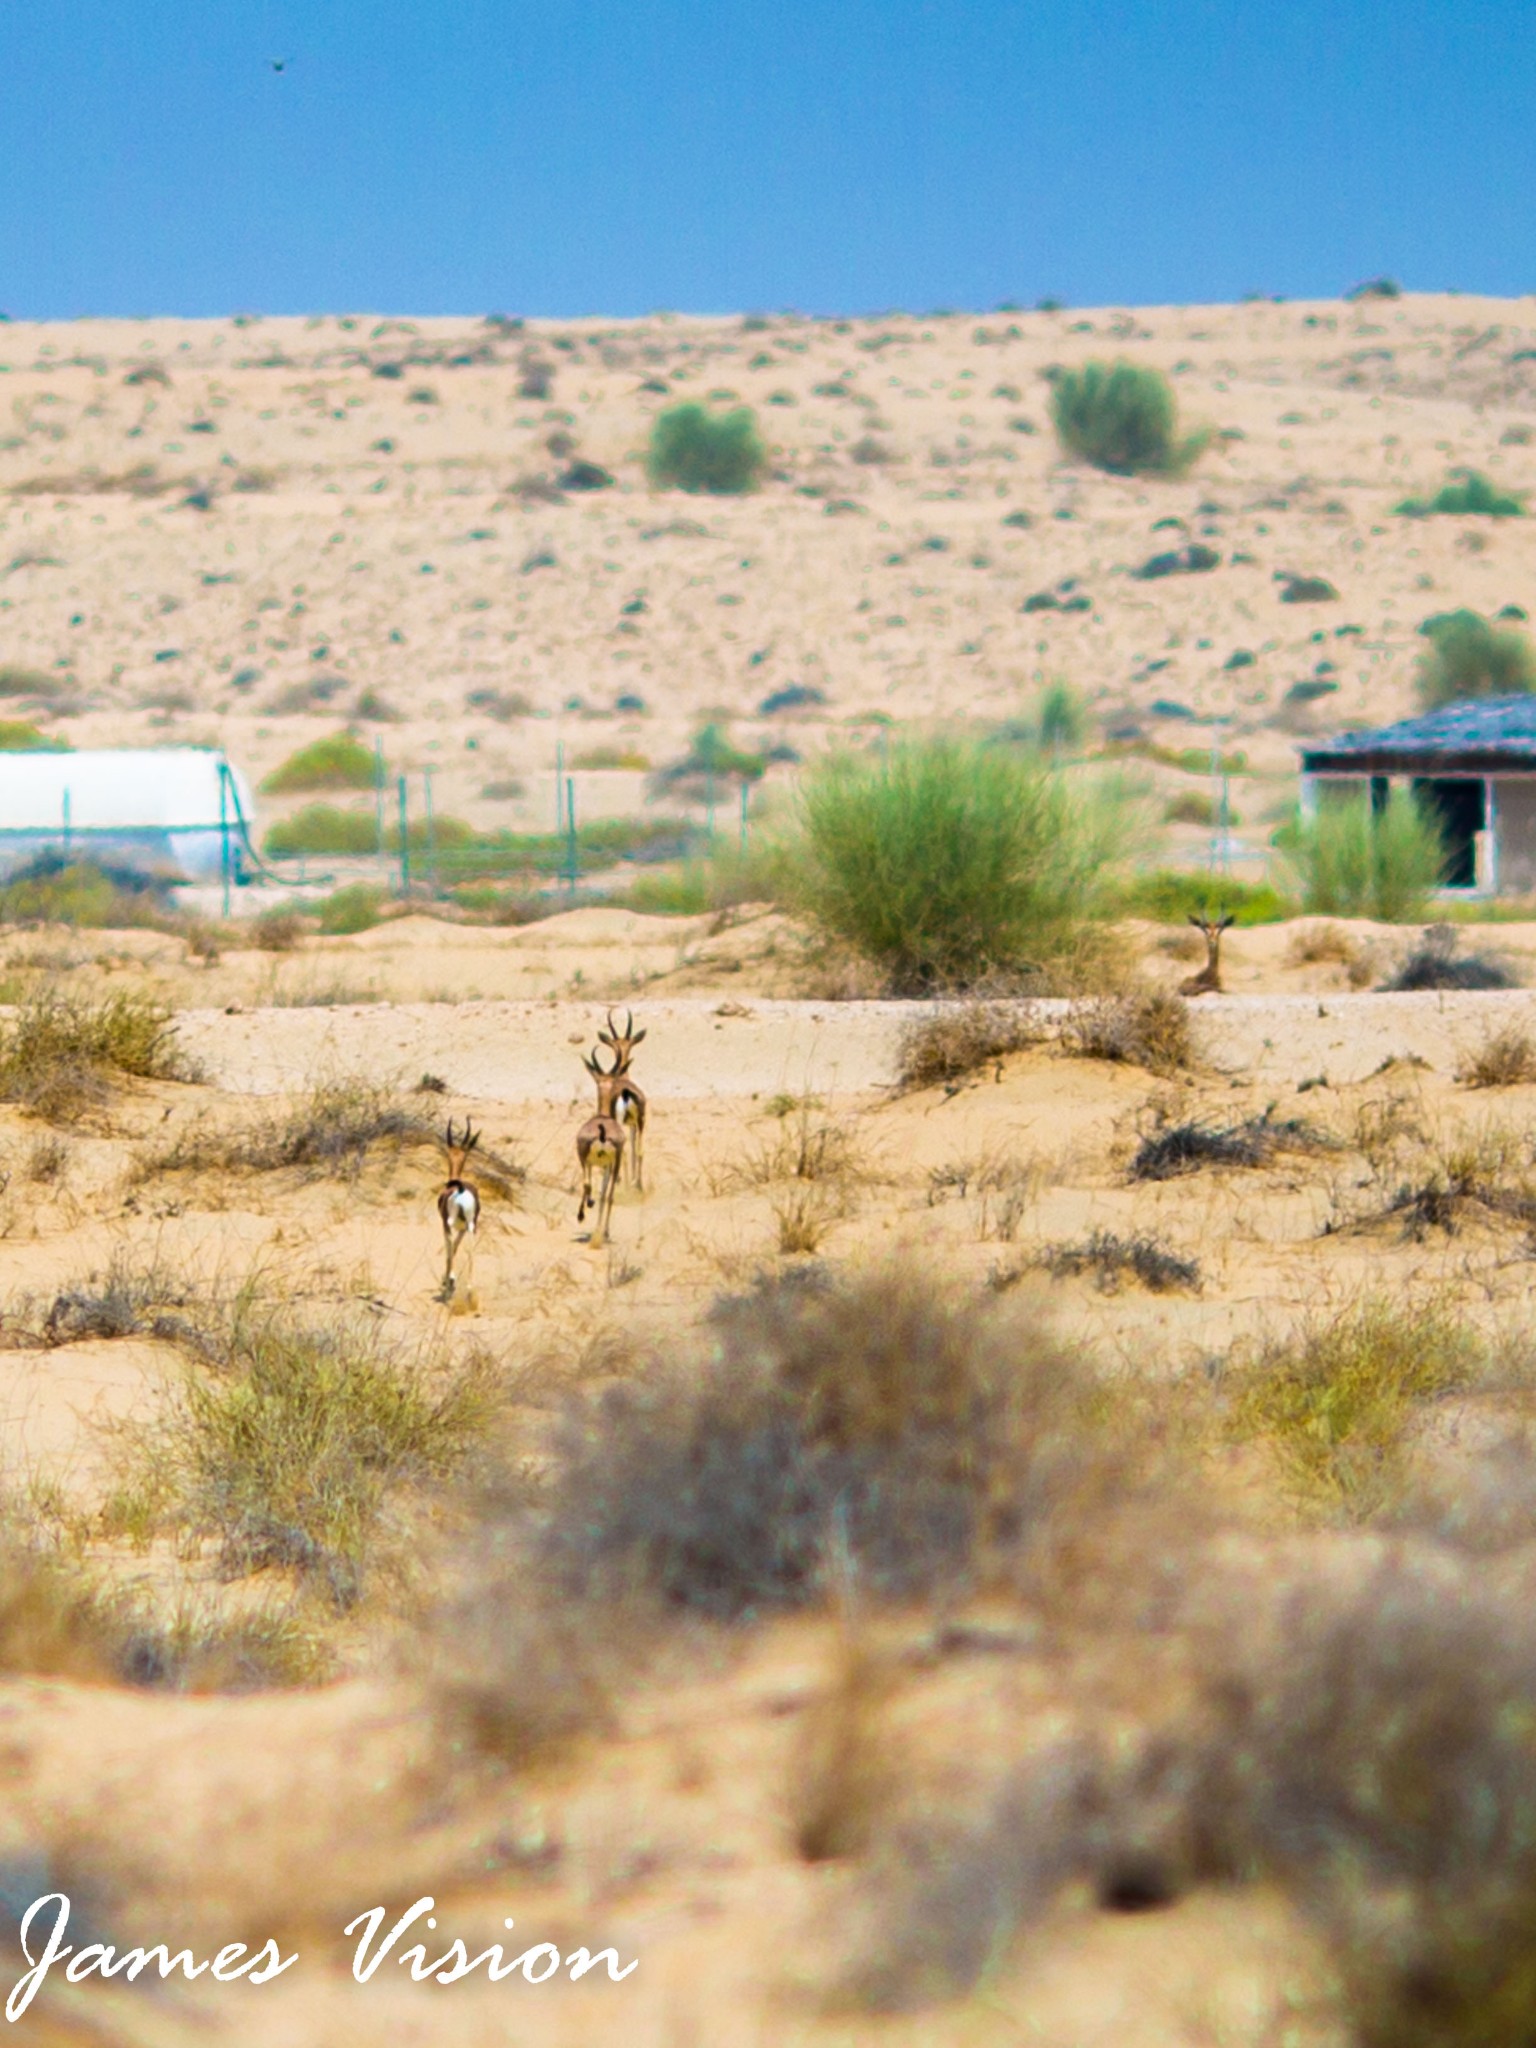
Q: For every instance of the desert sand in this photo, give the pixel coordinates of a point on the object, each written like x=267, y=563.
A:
x=282, y=516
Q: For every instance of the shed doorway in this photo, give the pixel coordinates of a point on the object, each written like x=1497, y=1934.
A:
x=1457, y=803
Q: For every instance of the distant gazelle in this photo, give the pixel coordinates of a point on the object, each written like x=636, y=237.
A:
x=1208, y=981
x=458, y=1204
x=628, y=1100
x=600, y=1148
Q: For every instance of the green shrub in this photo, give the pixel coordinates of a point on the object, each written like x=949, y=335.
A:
x=18, y=736
x=1469, y=492
x=322, y=828
x=947, y=861
x=710, y=754
x=696, y=450
x=79, y=893
x=340, y=762
x=353, y=909
x=1062, y=718
x=1354, y=861
x=1172, y=895
x=1123, y=419
x=1469, y=656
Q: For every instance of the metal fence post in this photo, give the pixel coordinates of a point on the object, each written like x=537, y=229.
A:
x=405, y=845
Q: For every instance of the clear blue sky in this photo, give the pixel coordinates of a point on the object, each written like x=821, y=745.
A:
x=605, y=156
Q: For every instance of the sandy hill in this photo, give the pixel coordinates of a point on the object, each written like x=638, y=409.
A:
x=253, y=530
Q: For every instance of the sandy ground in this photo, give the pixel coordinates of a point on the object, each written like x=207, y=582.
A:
x=192, y=1815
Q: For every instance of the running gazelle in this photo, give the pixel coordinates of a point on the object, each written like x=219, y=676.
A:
x=458, y=1203
x=600, y=1148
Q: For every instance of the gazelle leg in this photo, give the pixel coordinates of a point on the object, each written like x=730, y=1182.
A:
x=639, y=1147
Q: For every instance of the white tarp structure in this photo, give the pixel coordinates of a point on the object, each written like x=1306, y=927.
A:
x=176, y=812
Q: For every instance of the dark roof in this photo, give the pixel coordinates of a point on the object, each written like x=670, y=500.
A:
x=1486, y=733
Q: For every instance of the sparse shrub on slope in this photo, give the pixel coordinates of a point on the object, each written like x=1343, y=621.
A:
x=945, y=863
x=1468, y=493
x=1122, y=418
x=693, y=449
x=1469, y=656
x=1354, y=861
x=340, y=762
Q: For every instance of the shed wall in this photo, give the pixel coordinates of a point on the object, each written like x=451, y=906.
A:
x=1515, y=797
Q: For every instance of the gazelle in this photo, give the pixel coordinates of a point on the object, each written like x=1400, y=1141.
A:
x=458, y=1204
x=1208, y=980
x=628, y=1100
x=600, y=1148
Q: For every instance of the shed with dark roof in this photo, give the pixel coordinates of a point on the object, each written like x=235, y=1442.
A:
x=1473, y=763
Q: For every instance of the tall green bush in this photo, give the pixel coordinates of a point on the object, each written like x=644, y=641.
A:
x=1122, y=418
x=1469, y=656
x=1354, y=861
x=693, y=449
x=948, y=862
x=321, y=828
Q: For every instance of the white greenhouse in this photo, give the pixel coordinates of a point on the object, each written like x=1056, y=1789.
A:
x=178, y=813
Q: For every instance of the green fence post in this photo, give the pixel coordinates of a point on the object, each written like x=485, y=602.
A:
x=224, y=834
x=570, y=815
x=744, y=816
x=426, y=776
x=405, y=846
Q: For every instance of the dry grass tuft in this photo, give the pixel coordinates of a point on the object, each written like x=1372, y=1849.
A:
x=1323, y=943
x=62, y=1056
x=1505, y=1059
x=1336, y=1401
x=1175, y=1149
x=960, y=1039
x=1111, y=1258
x=1147, y=1028
x=843, y=1773
x=288, y=1454
x=803, y=1213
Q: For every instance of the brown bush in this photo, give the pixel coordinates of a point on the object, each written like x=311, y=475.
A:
x=961, y=1038
x=1146, y=1028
